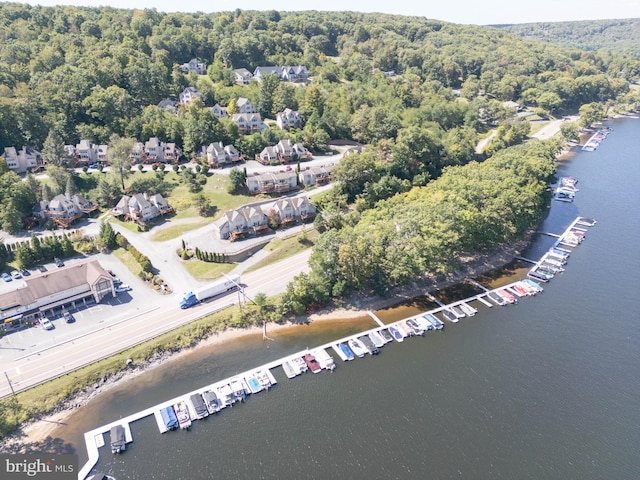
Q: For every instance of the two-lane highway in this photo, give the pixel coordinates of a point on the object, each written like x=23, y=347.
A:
x=39, y=366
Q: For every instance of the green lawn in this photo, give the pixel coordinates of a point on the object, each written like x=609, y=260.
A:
x=127, y=259
x=174, y=231
x=284, y=248
x=206, y=271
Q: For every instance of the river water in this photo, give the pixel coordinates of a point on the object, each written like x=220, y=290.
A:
x=546, y=389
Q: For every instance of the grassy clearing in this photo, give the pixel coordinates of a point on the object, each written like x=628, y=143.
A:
x=174, y=231
x=537, y=126
x=206, y=271
x=284, y=248
x=127, y=259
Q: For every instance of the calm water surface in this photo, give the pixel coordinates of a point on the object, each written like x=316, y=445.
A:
x=546, y=389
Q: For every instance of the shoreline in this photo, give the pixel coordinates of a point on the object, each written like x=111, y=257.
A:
x=32, y=433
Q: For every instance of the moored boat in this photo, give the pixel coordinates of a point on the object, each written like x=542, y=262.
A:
x=312, y=363
x=118, y=440
x=169, y=418
x=211, y=401
x=182, y=413
x=366, y=342
x=449, y=315
x=413, y=325
x=299, y=364
x=386, y=336
x=404, y=329
x=288, y=369
x=468, y=309
x=253, y=383
x=226, y=396
x=356, y=347
x=423, y=322
x=506, y=295
x=435, y=321
x=496, y=298
x=376, y=339
x=324, y=359
x=397, y=335
x=346, y=350
x=199, y=407
x=457, y=311
x=532, y=284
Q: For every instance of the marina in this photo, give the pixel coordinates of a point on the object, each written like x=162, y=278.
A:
x=182, y=411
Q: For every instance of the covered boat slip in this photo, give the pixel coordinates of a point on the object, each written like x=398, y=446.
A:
x=197, y=407
x=118, y=439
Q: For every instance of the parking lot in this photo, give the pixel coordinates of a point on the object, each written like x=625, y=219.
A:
x=88, y=317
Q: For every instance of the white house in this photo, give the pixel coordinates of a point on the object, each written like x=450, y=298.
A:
x=288, y=119
x=193, y=66
x=189, y=94
x=240, y=222
x=220, y=111
x=245, y=106
x=242, y=76
x=22, y=160
x=248, y=122
x=141, y=207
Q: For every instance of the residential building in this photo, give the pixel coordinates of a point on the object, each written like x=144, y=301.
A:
x=141, y=207
x=292, y=210
x=242, y=76
x=248, y=122
x=22, y=160
x=168, y=105
x=285, y=150
x=189, y=94
x=289, y=119
x=137, y=152
x=272, y=182
x=39, y=295
x=63, y=209
x=157, y=151
x=297, y=73
x=193, y=66
x=220, y=111
x=216, y=154
x=238, y=223
x=245, y=106
x=233, y=155
x=268, y=155
x=315, y=175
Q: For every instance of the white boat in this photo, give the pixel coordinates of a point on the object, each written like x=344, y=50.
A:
x=288, y=369
x=239, y=388
x=225, y=394
x=404, y=328
x=299, y=364
x=211, y=401
x=457, y=312
x=376, y=339
x=468, y=309
x=118, y=440
x=182, y=413
x=266, y=380
x=324, y=359
x=356, y=347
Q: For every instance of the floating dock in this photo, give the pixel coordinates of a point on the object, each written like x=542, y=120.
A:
x=94, y=439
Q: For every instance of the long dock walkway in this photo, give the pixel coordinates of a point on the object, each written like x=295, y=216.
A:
x=94, y=439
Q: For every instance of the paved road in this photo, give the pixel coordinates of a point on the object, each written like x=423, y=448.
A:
x=159, y=317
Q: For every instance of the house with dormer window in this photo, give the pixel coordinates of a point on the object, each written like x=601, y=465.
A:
x=193, y=66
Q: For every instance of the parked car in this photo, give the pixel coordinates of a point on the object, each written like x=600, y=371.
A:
x=93, y=165
x=68, y=317
x=42, y=268
x=16, y=274
x=6, y=277
x=117, y=281
x=46, y=324
x=122, y=288
x=25, y=272
x=59, y=263
x=111, y=273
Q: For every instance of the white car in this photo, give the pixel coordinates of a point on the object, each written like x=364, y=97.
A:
x=122, y=288
x=46, y=324
x=16, y=274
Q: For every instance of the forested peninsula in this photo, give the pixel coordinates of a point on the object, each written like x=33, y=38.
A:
x=417, y=94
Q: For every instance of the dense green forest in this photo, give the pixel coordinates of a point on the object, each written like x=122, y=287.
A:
x=620, y=37
x=92, y=72
x=418, y=92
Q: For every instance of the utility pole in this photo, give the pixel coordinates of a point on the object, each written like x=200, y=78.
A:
x=246, y=297
x=10, y=385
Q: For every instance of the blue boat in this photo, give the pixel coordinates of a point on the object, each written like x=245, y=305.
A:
x=347, y=351
x=396, y=334
x=169, y=418
x=533, y=284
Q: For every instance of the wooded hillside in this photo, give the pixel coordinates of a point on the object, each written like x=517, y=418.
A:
x=620, y=36
x=90, y=72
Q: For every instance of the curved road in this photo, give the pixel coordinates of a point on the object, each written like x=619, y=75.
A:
x=37, y=367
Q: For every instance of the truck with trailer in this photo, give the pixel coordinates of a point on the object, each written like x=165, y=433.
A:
x=219, y=287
